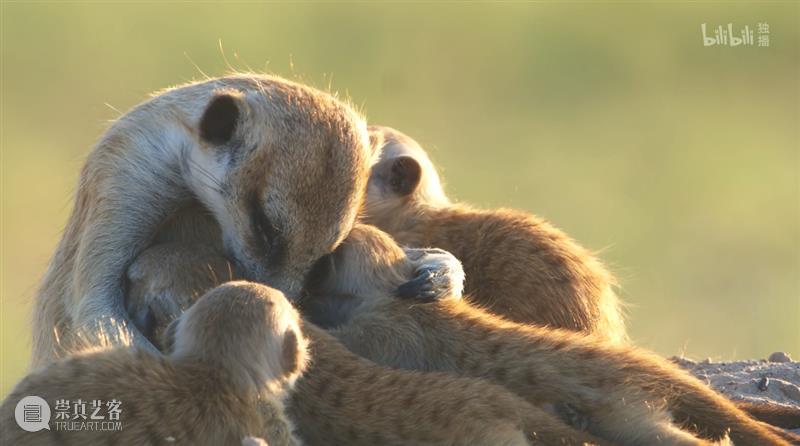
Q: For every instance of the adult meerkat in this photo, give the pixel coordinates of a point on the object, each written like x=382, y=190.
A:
x=517, y=265
x=235, y=357
x=626, y=395
x=269, y=171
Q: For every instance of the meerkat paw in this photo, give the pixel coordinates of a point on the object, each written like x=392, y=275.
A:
x=438, y=274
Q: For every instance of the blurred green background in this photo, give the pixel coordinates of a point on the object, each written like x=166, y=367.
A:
x=678, y=163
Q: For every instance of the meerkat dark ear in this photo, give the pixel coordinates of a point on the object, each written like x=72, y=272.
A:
x=221, y=117
x=400, y=175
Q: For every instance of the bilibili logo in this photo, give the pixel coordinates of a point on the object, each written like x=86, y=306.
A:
x=733, y=36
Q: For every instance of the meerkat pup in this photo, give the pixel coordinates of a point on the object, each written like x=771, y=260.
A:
x=517, y=265
x=235, y=355
x=344, y=399
x=161, y=294
x=268, y=171
x=368, y=263
x=625, y=395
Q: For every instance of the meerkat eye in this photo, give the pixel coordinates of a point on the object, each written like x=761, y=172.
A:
x=262, y=226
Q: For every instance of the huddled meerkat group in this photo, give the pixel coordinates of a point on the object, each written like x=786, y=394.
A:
x=248, y=262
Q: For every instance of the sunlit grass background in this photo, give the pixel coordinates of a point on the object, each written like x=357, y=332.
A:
x=678, y=162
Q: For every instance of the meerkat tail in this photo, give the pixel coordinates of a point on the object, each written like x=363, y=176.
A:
x=786, y=417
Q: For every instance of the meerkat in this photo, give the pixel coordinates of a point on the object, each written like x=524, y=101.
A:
x=269, y=171
x=593, y=391
x=235, y=356
x=550, y=280
x=344, y=399
x=517, y=265
x=626, y=395
x=161, y=294
x=368, y=263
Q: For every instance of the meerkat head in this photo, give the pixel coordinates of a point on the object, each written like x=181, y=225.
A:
x=283, y=168
x=248, y=329
x=403, y=174
x=367, y=260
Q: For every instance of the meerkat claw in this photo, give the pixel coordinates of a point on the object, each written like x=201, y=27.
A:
x=419, y=287
x=439, y=275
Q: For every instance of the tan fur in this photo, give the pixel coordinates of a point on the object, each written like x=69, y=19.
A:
x=517, y=265
x=344, y=399
x=629, y=396
x=168, y=277
x=225, y=380
x=225, y=151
